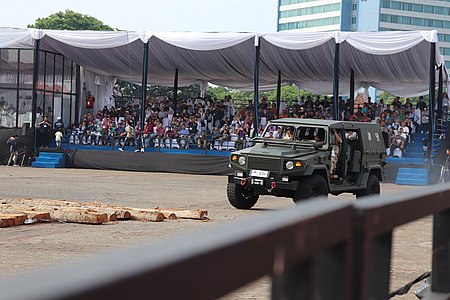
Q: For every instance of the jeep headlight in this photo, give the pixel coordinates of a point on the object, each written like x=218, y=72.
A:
x=242, y=160
x=289, y=165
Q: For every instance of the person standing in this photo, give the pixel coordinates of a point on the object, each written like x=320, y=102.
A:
x=59, y=125
x=58, y=138
x=90, y=99
x=45, y=132
x=13, y=153
x=129, y=134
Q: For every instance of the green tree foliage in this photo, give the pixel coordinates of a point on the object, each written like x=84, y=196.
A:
x=388, y=98
x=70, y=20
x=289, y=94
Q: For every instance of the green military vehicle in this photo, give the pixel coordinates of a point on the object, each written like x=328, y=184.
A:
x=293, y=158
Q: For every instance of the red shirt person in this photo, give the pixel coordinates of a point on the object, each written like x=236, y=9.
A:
x=90, y=101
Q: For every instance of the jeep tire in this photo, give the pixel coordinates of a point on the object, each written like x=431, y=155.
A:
x=372, y=189
x=313, y=186
x=241, y=197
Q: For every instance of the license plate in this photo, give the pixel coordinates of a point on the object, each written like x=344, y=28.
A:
x=259, y=173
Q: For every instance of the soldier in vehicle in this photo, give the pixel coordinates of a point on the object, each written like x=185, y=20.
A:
x=335, y=150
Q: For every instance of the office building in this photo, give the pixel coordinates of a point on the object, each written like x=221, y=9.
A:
x=368, y=15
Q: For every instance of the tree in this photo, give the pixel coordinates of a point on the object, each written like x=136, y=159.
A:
x=70, y=20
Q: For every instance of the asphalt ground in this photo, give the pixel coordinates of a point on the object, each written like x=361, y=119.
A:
x=24, y=249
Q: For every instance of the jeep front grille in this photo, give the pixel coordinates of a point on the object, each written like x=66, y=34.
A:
x=263, y=163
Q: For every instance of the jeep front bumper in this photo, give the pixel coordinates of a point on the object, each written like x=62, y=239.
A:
x=267, y=184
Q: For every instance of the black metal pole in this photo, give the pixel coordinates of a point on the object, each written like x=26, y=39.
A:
x=336, y=83
x=279, y=93
x=37, y=51
x=440, y=276
x=440, y=118
x=431, y=95
x=351, y=99
x=256, y=88
x=144, y=87
x=175, y=89
x=17, y=89
x=78, y=91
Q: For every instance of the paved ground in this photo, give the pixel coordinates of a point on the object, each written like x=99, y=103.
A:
x=26, y=248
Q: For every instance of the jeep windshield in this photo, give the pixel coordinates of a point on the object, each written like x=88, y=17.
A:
x=302, y=134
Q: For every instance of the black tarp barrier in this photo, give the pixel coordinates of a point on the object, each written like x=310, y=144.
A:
x=148, y=162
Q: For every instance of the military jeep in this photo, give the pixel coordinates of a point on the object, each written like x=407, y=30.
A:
x=293, y=158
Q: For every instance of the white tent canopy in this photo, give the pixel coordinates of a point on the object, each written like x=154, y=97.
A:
x=396, y=62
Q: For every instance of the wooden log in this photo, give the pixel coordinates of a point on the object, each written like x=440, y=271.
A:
x=112, y=212
x=122, y=212
x=72, y=215
x=32, y=215
x=23, y=205
x=197, y=214
x=19, y=219
x=6, y=222
x=174, y=213
x=147, y=216
x=67, y=214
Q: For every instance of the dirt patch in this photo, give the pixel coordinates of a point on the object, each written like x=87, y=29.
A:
x=27, y=248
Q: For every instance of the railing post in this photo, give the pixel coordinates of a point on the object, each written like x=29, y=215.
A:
x=326, y=276
x=294, y=283
x=372, y=262
x=332, y=273
x=441, y=253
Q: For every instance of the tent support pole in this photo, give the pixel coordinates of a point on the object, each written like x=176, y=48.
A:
x=440, y=117
x=279, y=93
x=431, y=95
x=336, y=83
x=352, y=93
x=79, y=91
x=36, y=66
x=144, y=86
x=255, y=89
x=175, y=88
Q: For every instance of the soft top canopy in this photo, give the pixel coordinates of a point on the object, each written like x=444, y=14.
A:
x=396, y=62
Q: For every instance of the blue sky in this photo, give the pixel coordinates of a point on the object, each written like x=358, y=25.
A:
x=154, y=15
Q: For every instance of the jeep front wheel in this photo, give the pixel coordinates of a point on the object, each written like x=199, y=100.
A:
x=313, y=186
x=372, y=189
x=241, y=197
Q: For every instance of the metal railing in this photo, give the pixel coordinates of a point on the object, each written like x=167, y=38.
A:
x=317, y=250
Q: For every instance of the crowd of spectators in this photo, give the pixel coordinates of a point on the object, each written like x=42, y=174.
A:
x=212, y=124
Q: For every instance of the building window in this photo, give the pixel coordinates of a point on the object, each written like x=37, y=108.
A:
x=310, y=23
x=289, y=2
x=414, y=21
x=310, y=10
x=415, y=7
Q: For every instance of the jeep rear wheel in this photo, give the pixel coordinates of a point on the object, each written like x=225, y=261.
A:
x=313, y=186
x=372, y=189
x=241, y=197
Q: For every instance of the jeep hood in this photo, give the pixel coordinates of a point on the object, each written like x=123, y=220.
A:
x=273, y=151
